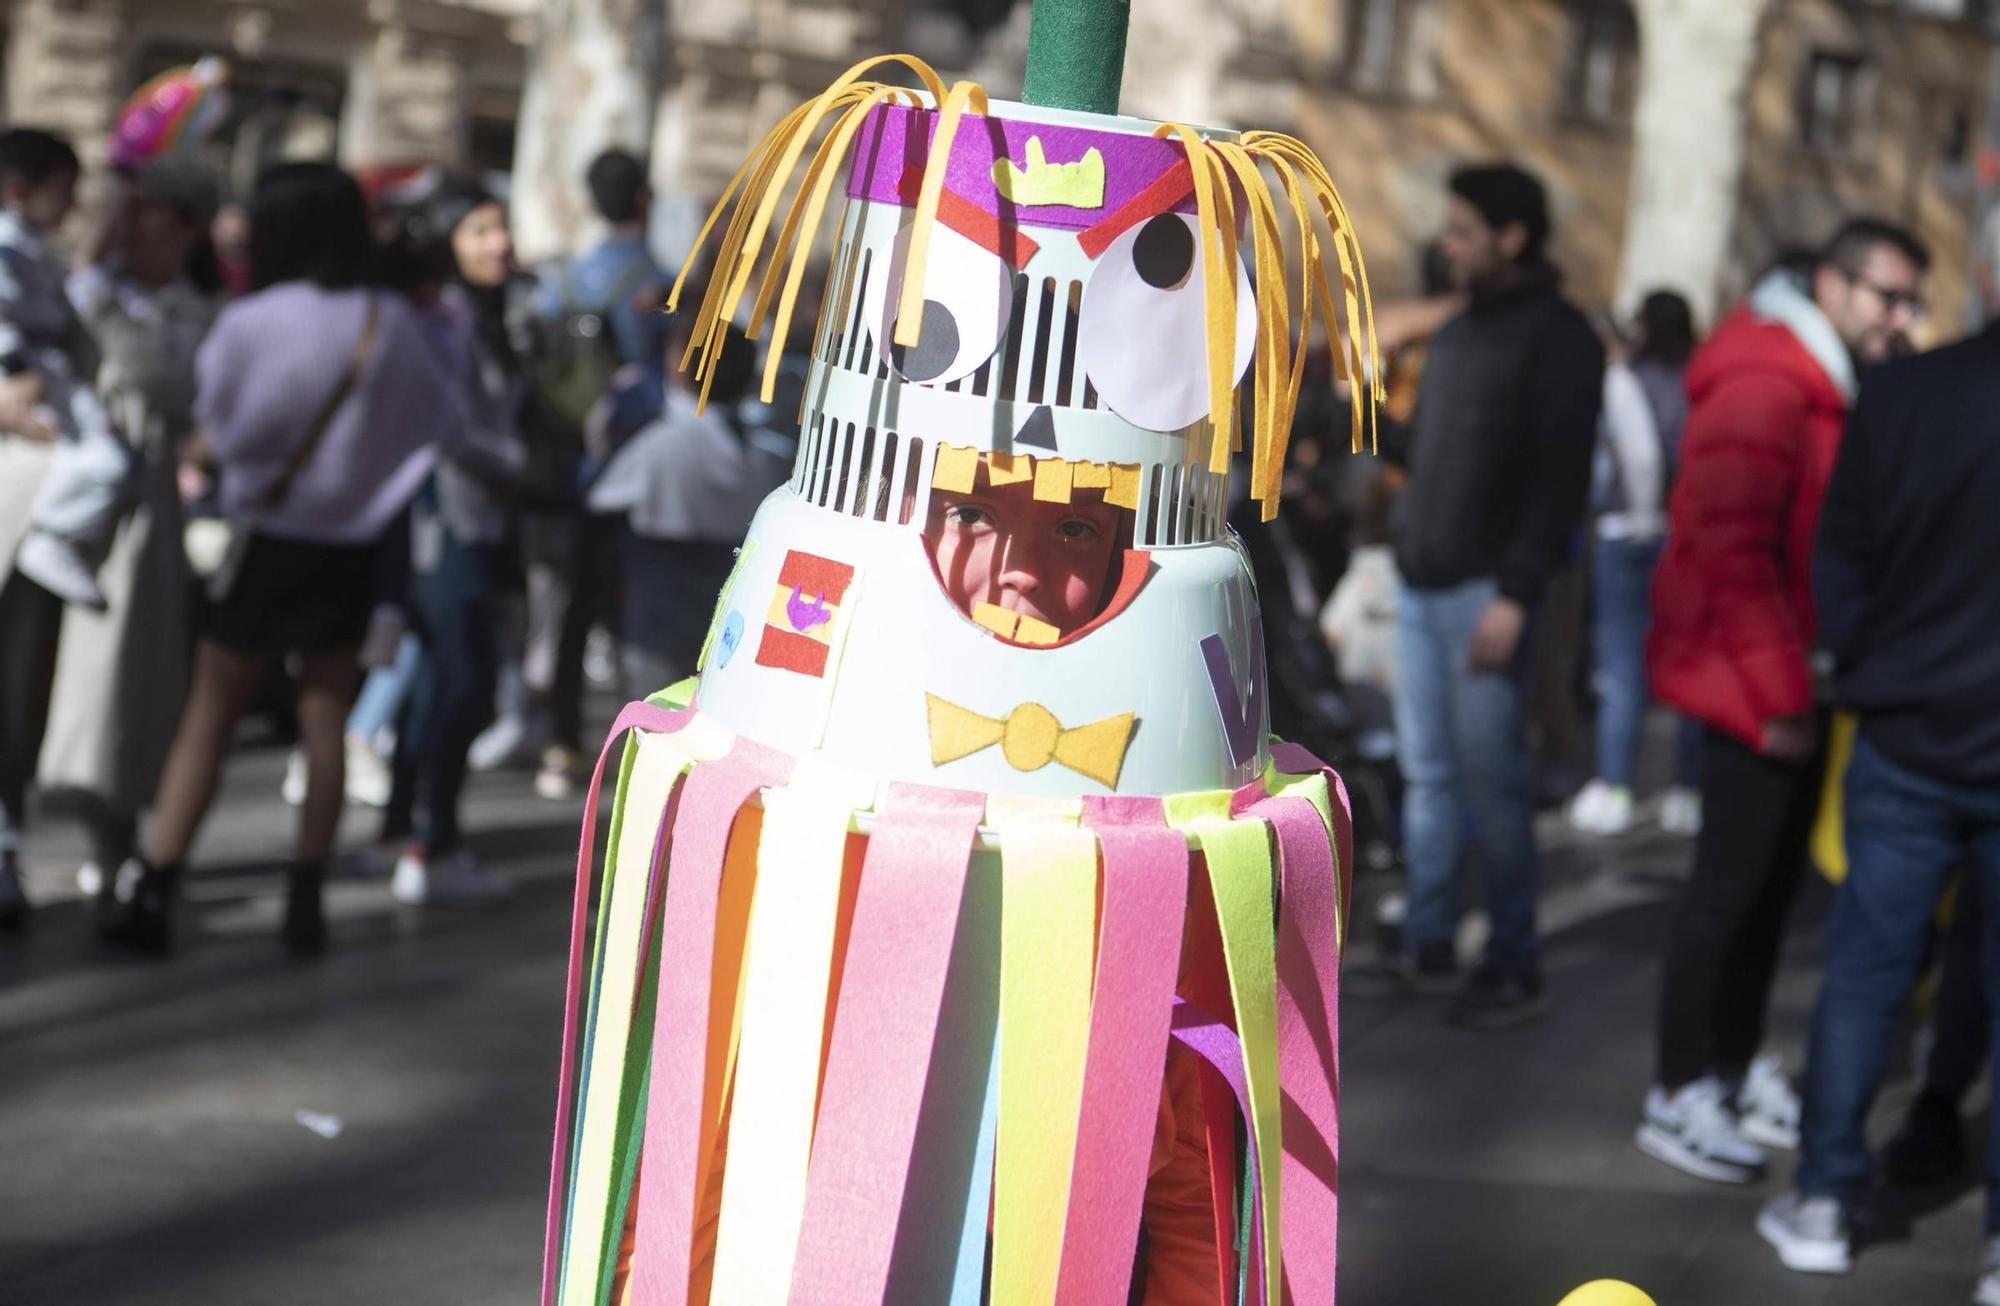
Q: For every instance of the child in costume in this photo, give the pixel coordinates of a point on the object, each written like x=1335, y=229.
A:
x=961, y=931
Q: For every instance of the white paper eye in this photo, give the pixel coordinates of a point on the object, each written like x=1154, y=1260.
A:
x=1142, y=335
x=968, y=297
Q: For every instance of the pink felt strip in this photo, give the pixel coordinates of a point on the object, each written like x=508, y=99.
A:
x=711, y=797
x=642, y=716
x=886, y=1021
x=1138, y=953
x=1308, y=1038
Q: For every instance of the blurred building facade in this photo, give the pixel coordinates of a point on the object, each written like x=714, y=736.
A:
x=1854, y=105
x=366, y=81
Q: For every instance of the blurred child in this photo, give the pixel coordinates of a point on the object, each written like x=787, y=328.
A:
x=76, y=512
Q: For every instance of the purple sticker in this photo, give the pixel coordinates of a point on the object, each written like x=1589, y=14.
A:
x=1242, y=715
x=804, y=615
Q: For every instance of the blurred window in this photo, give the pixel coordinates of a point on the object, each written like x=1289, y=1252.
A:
x=1391, y=48
x=1833, y=102
x=1603, y=73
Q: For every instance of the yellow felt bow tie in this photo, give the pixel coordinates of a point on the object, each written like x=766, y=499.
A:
x=1030, y=738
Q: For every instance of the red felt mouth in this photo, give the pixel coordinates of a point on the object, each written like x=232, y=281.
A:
x=1132, y=576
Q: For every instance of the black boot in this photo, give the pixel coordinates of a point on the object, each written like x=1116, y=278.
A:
x=135, y=907
x=1930, y=1147
x=305, y=923
x=13, y=900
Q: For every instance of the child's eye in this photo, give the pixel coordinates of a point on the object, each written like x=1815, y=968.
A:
x=969, y=516
x=1078, y=531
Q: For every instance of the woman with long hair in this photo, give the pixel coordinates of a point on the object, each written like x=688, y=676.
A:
x=460, y=527
x=320, y=401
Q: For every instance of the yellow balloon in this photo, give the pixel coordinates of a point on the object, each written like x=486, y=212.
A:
x=1608, y=1292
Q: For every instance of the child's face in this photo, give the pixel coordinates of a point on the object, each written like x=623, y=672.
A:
x=1049, y=561
x=45, y=204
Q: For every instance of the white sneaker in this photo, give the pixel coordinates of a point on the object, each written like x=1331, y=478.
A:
x=457, y=877
x=293, y=787
x=58, y=566
x=1810, y=1233
x=1601, y=809
x=1989, y=1282
x=1680, y=811
x=1695, y=1132
x=89, y=879
x=507, y=742
x=1768, y=1106
x=368, y=778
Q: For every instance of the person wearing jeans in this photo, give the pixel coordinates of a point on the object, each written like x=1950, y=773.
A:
x=1498, y=468
x=1465, y=761
x=1903, y=582
x=1731, y=646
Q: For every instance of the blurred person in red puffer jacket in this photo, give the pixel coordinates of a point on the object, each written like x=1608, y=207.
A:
x=1731, y=646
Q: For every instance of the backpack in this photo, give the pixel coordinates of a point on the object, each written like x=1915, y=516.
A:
x=579, y=357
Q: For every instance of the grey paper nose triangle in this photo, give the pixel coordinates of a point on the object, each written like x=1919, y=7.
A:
x=1039, y=431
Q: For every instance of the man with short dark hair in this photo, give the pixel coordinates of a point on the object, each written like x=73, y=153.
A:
x=1903, y=583
x=1499, y=464
x=1730, y=647
x=618, y=279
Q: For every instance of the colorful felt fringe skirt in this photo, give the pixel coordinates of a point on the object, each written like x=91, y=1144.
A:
x=806, y=1064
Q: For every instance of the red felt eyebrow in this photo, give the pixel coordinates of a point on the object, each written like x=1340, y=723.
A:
x=1165, y=191
x=1003, y=240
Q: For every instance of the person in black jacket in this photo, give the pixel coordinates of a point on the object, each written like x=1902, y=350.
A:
x=1499, y=464
x=1903, y=583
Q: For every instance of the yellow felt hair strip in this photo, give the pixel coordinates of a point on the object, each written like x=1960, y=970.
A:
x=835, y=147
x=1218, y=282
x=1309, y=265
x=951, y=107
x=1048, y=934
x=738, y=277
x=1273, y=415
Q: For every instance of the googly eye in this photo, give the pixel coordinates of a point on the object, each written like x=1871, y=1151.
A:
x=968, y=298
x=1142, y=336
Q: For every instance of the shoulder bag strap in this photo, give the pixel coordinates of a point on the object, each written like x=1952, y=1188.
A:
x=281, y=488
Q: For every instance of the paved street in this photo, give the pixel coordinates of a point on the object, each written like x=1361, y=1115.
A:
x=150, y=1150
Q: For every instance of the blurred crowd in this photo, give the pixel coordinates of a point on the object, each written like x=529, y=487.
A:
x=1768, y=545
x=332, y=455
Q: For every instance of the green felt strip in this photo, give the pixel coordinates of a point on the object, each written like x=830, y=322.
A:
x=1076, y=54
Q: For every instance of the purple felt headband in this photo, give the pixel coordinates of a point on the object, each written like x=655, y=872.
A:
x=895, y=140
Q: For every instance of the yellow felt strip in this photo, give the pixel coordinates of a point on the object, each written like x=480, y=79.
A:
x=1030, y=631
x=1124, y=486
x=1009, y=468
x=792, y=926
x=957, y=469
x=1001, y=621
x=821, y=186
x=1218, y=291
x=1047, y=933
x=658, y=765
x=910, y=312
x=1052, y=480
x=1090, y=476
x=1240, y=874
x=1271, y=356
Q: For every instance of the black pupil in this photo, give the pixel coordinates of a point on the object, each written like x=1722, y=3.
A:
x=1164, y=252
x=937, y=345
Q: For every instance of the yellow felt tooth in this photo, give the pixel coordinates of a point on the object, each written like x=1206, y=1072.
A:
x=1030, y=631
x=1008, y=468
x=1090, y=476
x=951, y=108
x=957, y=469
x=1001, y=621
x=1052, y=480
x=1123, y=488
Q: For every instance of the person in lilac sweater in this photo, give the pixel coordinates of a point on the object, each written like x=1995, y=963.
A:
x=323, y=402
